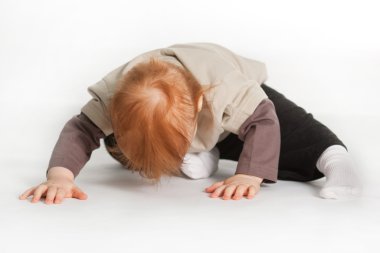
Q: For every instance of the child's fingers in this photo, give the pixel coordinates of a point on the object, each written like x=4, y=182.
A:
x=27, y=193
x=214, y=186
x=240, y=191
x=79, y=194
x=229, y=191
x=38, y=192
x=61, y=193
x=51, y=192
x=218, y=191
x=251, y=192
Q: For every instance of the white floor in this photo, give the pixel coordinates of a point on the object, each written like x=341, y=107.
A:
x=323, y=55
x=127, y=214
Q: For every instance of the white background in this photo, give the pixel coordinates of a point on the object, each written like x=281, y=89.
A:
x=324, y=55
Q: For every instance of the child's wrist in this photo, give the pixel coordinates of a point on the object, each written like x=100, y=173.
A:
x=258, y=179
x=60, y=173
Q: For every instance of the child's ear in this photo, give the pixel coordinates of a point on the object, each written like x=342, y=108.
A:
x=200, y=103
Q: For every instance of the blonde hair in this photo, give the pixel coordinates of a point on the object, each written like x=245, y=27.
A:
x=153, y=114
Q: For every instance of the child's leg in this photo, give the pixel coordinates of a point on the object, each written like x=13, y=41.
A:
x=303, y=142
x=200, y=165
x=339, y=168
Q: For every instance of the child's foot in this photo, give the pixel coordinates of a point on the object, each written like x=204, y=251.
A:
x=342, y=180
x=200, y=165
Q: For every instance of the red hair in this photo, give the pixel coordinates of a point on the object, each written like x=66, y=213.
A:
x=153, y=114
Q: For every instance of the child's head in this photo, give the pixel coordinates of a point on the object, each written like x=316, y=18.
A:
x=154, y=115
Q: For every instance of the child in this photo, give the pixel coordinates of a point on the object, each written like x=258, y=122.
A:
x=177, y=110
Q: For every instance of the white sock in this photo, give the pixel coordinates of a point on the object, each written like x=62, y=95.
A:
x=200, y=165
x=342, y=180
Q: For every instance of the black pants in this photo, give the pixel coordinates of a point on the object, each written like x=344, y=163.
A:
x=303, y=139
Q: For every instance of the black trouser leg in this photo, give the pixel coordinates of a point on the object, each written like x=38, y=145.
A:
x=303, y=139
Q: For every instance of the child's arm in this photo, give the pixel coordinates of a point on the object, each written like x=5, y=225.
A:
x=77, y=140
x=258, y=161
x=261, y=136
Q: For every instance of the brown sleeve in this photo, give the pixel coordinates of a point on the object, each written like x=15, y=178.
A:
x=78, y=138
x=262, y=139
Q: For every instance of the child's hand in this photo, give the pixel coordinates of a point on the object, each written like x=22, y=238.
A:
x=55, y=190
x=239, y=185
x=60, y=185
